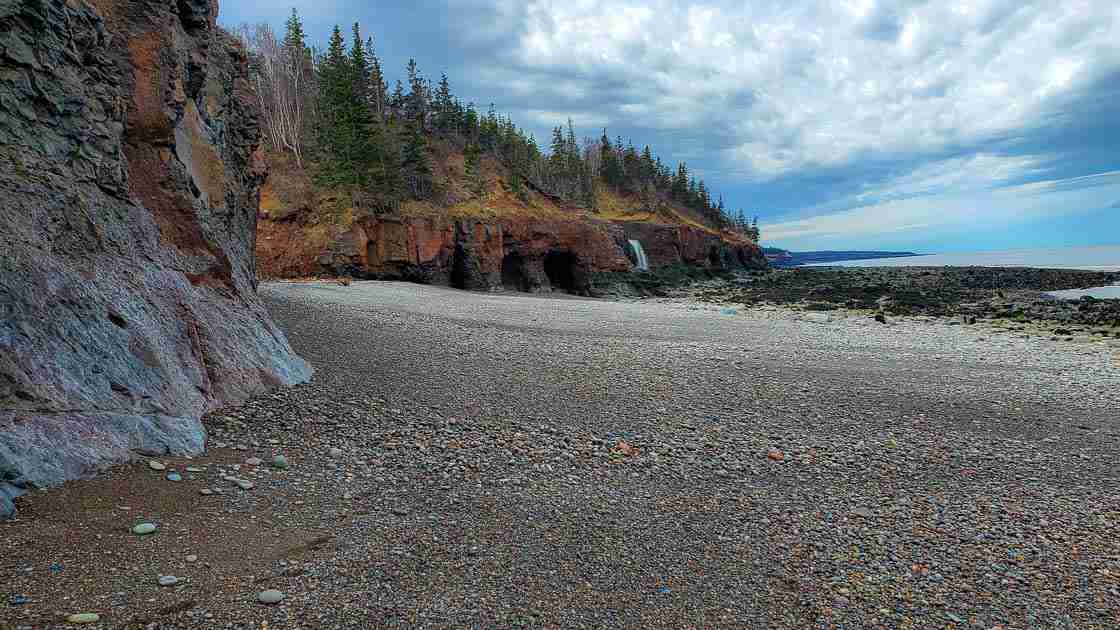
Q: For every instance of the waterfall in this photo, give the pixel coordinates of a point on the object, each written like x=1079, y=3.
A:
x=642, y=263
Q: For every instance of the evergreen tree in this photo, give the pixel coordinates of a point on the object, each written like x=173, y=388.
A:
x=470, y=123
x=335, y=90
x=295, y=40
x=517, y=186
x=416, y=101
x=473, y=166
x=416, y=164
x=378, y=91
x=445, y=106
x=572, y=151
x=649, y=169
x=631, y=165
x=559, y=152
x=359, y=67
x=377, y=141
x=397, y=100
x=680, y=183
x=610, y=168
x=347, y=140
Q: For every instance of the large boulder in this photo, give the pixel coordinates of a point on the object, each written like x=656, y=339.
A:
x=130, y=174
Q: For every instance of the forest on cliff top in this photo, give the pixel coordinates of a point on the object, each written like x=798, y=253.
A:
x=332, y=122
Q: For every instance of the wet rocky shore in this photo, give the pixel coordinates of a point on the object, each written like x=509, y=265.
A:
x=965, y=294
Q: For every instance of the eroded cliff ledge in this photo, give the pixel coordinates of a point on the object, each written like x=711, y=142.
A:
x=130, y=174
x=530, y=254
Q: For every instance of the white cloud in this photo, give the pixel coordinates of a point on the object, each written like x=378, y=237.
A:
x=933, y=198
x=793, y=86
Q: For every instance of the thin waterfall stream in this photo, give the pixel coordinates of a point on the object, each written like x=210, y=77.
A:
x=641, y=263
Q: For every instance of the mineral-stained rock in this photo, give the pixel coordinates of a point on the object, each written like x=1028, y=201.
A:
x=530, y=254
x=130, y=177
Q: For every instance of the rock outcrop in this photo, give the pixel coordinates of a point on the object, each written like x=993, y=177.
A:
x=531, y=254
x=130, y=174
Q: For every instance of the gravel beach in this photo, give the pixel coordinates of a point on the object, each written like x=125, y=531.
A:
x=504, y=461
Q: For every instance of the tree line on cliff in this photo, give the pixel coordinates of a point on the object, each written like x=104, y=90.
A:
x=334, y=112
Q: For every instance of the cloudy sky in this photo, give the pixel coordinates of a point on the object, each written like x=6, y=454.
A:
x=939, y=125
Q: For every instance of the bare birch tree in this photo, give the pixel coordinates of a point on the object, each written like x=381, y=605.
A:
x=284, y=83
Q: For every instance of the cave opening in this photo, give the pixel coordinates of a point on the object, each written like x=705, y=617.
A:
x=713, y=257
x=459, y=268
x=562, y=269
x=513, y=273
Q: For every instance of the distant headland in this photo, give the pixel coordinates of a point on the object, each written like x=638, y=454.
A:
x=784, y=258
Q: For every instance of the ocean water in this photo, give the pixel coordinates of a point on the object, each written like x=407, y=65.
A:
x=1100, y=258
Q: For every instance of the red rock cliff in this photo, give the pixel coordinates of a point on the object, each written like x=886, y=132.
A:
x=530, y=254
x=131, y=177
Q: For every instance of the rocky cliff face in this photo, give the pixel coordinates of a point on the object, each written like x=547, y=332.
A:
x=522, y=254
x=130, y=174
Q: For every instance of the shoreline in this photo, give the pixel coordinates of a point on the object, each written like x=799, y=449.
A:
x=970, y=294
x=1091, y=257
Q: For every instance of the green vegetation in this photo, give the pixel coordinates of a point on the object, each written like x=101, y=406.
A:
x=335, y=106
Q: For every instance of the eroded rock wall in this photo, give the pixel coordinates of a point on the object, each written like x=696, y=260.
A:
x=683, y=244
x=525, y=254
x=130, y=175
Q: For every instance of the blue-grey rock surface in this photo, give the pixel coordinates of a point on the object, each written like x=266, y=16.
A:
x=130, y=174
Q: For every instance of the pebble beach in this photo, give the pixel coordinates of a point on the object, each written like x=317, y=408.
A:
x=515, y=461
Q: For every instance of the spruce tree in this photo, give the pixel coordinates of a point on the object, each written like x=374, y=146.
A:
x=295, y=40
x=648, y=168
x=416, y=101
x=335, y=87
x=445, y=107
x=348, y=142
x=680, y=183
x=610, y=168
x=359, y=67
x=470, y=122
x=397, y=100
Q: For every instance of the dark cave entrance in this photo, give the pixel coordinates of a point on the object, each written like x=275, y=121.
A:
x=713, y=257
x=562, y=269
x=513, y=273
x=459, y=268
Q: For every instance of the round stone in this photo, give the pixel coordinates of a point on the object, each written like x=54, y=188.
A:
x=206, y=492
x=192, y=558
x=84, y=618
x=143, y=529
x=156, y=465
x=244, y=484
x=174, y=476
x=168, y=580
x=270, y=597
x=253, y=461
x=336, y=452
x=280, y=462
x=195, y=469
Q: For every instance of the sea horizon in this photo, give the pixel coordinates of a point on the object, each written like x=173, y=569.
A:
x=1088, y=258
